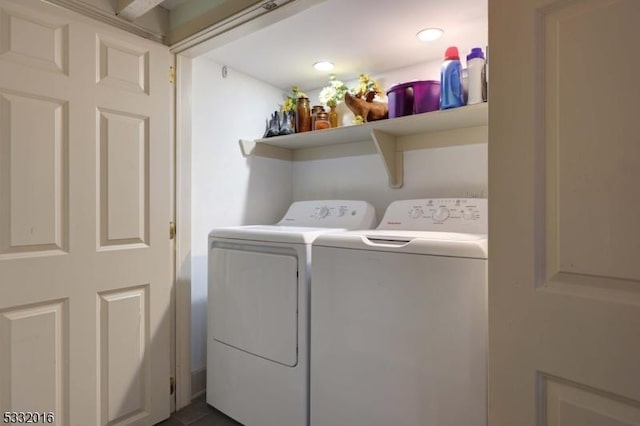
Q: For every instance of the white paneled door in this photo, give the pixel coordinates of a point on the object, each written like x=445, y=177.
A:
x=84, y=210
x=564, y=177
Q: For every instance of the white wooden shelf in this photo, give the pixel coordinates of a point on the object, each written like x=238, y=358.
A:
x=383, y=133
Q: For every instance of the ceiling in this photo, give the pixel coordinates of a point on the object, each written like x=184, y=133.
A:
x=358, y=36
x=172, y=4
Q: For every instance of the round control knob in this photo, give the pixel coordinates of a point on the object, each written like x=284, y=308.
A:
x=415, y=213
x=441, y=214
x=340, y=212
x=323, y=212
x=467, y=214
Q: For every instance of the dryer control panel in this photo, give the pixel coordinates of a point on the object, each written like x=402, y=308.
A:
x=346, y=214
x=466, y=215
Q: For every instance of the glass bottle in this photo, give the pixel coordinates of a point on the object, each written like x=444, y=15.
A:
x=314, y=111
x=333, y=116
x=322, y=121
x=303, y=115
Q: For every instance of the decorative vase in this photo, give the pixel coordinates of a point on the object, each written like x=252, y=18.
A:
x=286, y=124
x=273, y=126
x=333, y=116
x=303, y=115
x=292, y=120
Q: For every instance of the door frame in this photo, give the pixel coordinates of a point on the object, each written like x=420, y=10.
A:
x=183, y=391
x=185, y=51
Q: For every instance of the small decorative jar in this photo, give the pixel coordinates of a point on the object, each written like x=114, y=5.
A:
x=303, y=115
x=314, y=111
x=322, y=121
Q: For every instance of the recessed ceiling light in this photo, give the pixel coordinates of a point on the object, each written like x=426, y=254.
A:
x=430, y=34
x=323, y=66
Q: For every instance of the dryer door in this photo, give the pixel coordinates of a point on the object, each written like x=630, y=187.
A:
x=253, y=298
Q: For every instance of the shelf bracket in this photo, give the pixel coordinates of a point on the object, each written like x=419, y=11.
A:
x=387, y=147
x=247, y=147
x=251, y=148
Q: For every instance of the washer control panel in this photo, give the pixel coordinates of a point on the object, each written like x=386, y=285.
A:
x=467, y=215
x=347, y=214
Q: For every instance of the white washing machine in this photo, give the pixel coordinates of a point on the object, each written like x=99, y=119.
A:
x=258, y=311
x=399, y=319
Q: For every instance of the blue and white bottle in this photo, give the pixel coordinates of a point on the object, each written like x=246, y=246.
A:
x=451, y=91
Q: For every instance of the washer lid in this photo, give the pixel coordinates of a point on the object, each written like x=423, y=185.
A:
x=273, y=233
x=305, y=220
x=417, y=242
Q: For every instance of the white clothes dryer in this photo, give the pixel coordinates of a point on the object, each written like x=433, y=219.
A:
x=258, y=311
x=399, y=319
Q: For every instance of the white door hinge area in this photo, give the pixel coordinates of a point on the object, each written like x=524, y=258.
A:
x=172, y=75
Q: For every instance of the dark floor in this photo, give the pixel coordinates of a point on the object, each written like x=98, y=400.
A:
x=199, y=413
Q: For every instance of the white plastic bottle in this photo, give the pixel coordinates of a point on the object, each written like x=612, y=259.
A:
x=485, y=76
x=475, y=63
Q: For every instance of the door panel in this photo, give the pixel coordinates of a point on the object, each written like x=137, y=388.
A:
x=34, y=186
x=123, y=66
x=124, y=178
x=564, y=277
x=592, y=159
x=34, y=42
x=124, y=358
x=85, y=282
x=571, y=404
x=30, y=338
x=255, y=302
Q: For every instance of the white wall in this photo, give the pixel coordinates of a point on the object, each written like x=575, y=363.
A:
x=228, y=189
x=457, y=171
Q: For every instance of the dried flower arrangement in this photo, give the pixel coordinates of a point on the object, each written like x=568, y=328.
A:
x=333, y=94
x=292, y=99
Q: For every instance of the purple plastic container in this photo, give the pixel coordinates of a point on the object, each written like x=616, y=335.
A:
x=414, y=97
